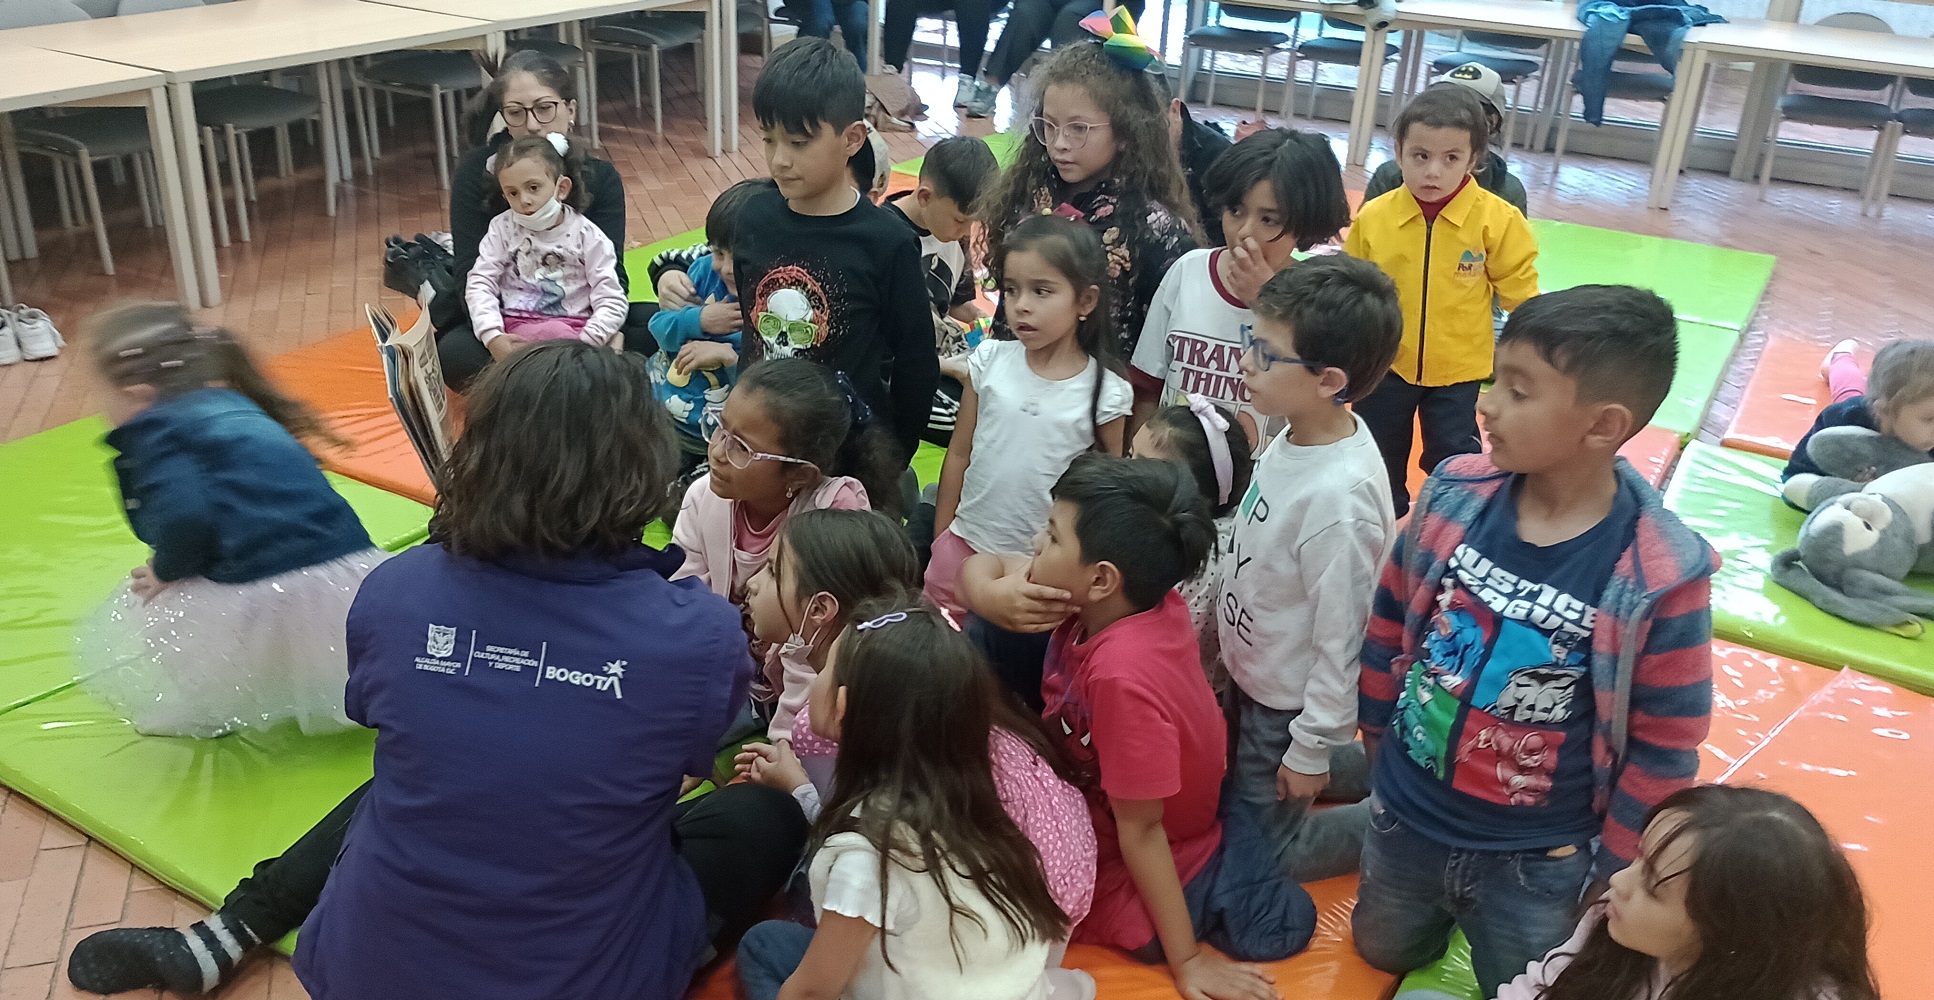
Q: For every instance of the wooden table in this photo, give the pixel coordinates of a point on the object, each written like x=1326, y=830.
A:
x=247, y=36
x=1765, y=42
x=718, y=61
x=37, y=77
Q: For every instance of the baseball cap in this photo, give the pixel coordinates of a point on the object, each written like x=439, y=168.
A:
x=1480, y=78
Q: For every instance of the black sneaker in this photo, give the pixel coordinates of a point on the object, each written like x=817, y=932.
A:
x=402, y=266
x=135, y=958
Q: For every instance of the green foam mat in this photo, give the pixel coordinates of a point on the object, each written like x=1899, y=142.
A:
x=638, y=262
x=1004, y=145
x=197, y=814
x=1705, y=284
x=64, y=546
x=1449, y=977
x=1732, y=498
x=1704, y=351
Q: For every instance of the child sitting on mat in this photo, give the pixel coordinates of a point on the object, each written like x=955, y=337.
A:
x=1738, y=893
x=1897, y=398
x=544, y=271
x=923, y=883
x=1179, y=865
x=698, y=345
x=792, y=437
x=237, y=620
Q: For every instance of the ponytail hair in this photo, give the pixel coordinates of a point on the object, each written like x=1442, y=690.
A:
x=156, y=344
x=563, y=157
x=823, y=420
x=1183, y=434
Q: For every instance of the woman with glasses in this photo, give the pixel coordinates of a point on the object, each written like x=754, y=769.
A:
x=531, y=95
x=1098, y=152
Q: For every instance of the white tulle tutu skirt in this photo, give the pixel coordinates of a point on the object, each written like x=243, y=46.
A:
x=205, y=658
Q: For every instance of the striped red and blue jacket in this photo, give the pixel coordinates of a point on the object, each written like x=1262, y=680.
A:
x=1651, y=660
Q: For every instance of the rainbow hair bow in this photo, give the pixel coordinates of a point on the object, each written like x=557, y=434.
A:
x=1118, y=39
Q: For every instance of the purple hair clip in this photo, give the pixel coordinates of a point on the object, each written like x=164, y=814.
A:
x=883, y=621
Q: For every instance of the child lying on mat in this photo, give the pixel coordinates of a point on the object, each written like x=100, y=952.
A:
x=544, y=271
x=1897, y=398
x=237, y=619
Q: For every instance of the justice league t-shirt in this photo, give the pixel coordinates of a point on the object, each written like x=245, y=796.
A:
x=846, y=291
x=1491, y=741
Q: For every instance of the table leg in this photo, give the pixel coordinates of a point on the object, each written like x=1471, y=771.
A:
x=330, y=113
x=174, y=211
x=875, y=62
x=1756, y=116
x=713, y=107
x=1369, y=86
x=727, y=72
x=1556, y=103
x=345, y=164
x=1682, y=117
x=23, y=212
x=194, y=187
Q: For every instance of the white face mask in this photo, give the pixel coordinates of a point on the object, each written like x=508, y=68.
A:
x=544, y=218
x=797, y=648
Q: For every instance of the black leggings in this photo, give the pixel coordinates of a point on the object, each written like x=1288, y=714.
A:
x=742, y=842
x=1035, y=21
x=971, y=16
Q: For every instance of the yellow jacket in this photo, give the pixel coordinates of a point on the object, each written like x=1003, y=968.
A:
x=1446, y=275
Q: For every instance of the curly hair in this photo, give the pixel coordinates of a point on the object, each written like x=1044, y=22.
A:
x=1138, y=119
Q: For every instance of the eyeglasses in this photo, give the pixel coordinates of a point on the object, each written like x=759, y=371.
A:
x=734, y=450
x=544, y=112
x=799, y=333
x=1076, y=133
x=1266, y=358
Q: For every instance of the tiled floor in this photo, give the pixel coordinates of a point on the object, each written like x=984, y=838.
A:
x=306, y=277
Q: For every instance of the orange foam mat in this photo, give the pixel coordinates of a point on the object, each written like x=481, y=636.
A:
x=1857, y=755
x=342, y=378
x=1781, y=399
x=1328, y=969
x=1752, y=693
x=1652, y=451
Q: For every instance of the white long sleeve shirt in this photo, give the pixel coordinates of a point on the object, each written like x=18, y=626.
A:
x=1310, y=539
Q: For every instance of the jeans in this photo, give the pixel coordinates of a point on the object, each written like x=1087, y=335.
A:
x=1241, y=904
x=971, y=16
x=1447, y=413
x=1662, y=25
x=1308, y=845
x=1032, y=22
x=1513, y=905
x=850, y=15
x=742, y=842
x=769, y=954
x=1017, y=658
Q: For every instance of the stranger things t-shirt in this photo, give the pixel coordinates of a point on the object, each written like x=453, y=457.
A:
x=1135, y=713
x=846, y=291
x=1491, y=742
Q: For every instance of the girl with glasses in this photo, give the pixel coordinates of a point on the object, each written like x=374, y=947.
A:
x=1098, y=152
x=792, y=437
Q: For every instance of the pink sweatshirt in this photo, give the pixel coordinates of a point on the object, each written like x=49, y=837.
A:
x=1050, y=812
x=718, y=553
x=569, y=271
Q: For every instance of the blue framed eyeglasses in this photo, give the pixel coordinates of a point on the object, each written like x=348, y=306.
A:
x=1266, y=358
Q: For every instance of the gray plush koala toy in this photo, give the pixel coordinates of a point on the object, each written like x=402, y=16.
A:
x=1861, y=539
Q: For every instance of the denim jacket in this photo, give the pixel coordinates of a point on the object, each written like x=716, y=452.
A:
x=220, y=490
